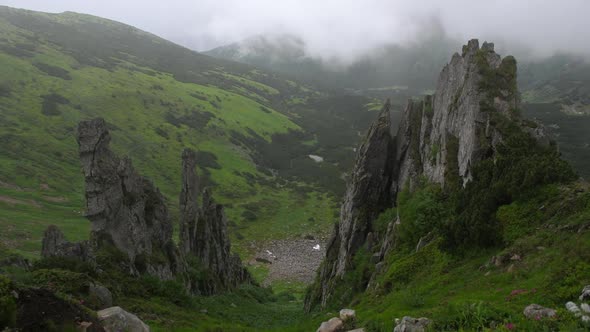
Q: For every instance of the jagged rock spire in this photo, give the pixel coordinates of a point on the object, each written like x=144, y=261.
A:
x=203, y=233
x=368, y=193
x=189, y=208
x=126, y=210
x=439, y=138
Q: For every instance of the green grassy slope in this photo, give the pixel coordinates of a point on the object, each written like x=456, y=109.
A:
x=544, y=261
x=253, y=129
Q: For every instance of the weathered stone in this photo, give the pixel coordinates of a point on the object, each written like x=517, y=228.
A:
x=585, y=293
x=424, y=241
x=126, y=210
x=367, y=195
x=358, y=330
x=115, y=319
x=573, y=308
x=102, y=294
x=14, y=260
x=535, y=311
x=439, y=138
x=409, y=324
x=389, y=239
x=55, y=244
x=333, y=325
x=204, y=233
x=585, y=307
x=189, y=207
x=347, y=314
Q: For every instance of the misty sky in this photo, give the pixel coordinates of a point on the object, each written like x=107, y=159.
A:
x=345, y=28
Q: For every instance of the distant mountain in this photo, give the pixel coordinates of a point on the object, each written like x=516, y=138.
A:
x=390, y=67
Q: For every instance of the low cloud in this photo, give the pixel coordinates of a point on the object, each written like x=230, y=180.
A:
x=347, y=29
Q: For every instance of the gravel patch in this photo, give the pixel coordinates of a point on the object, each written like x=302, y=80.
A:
x=292, y=259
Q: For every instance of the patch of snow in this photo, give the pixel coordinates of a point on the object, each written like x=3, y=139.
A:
x=316, y=247
x=315, y=158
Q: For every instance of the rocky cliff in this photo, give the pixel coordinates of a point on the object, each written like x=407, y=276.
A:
x=129, y=215
x=126, y=210
x=203, y=233
x=439, y=138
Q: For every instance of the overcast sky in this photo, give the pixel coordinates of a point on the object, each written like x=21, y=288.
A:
x=343, y=27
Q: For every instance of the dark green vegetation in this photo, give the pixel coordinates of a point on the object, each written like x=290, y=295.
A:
x=514, y=235
x=253, y=130
x=466, y=289
x=164, y=305
x=571, y=133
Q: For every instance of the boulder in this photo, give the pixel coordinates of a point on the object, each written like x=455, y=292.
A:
x=585, y=293
x=573, y=308
x=333, y=325
x=409, y=324
x=55, y=245
x=115, y=319
x=101, y=294
x=358, y=330
x=535, y=311
x=585, y=307
x=347, y=314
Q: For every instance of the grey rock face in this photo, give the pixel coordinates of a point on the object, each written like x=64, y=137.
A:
x=439, y=138
x=189, y=207
x=409, y=324
x=102, y=294
x=55, y=244
x=347, y=314
x=204, y=233
x=367, y=195
x=585, y=293
x=115, y=319
x=126, y=210
x=573, y=308
x=333, y=325
x=535, y=311
x=453, y=127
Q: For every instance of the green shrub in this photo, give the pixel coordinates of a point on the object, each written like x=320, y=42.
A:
x=477, y=316
x=7, y=303
x=421, y=212
x=62, y=281
x=64, y=263
x=403, y=266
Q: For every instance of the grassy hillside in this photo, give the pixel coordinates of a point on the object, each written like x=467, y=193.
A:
x=544, y=261
x=253, y=130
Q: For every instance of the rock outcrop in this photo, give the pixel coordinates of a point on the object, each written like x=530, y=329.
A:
x=535, y=311
x=366, y=196
x=129, y=214
x=203, y=233
x=409, y=324
x=55, y=244
x=115, y=319
x=126, y=210
x=332, y=325
x=439, y=138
